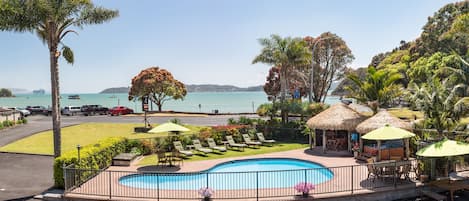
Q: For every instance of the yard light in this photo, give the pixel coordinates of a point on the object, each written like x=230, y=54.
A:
x=78, y=149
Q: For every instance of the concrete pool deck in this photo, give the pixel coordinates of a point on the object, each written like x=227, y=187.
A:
x=348, y=175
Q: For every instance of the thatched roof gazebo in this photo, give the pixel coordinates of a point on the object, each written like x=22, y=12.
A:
x=381, y=119
x=337, y=117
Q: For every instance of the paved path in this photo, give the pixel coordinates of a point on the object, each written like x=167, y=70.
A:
x=42, y=123
x=23, y=176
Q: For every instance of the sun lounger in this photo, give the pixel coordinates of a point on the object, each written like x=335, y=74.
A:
x=178, y=146
x=199, y=147
x=213, y=145
x=232, y=143
x=249, y=142
x=262, y=139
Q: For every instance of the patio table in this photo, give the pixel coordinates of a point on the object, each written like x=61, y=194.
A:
x=450, y=186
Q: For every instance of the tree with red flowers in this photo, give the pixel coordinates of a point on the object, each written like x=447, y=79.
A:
x=158, y=85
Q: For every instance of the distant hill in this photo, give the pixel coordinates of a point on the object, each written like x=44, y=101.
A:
x=115, y=90
x=194, y=88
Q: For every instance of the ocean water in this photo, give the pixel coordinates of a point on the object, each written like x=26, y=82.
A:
x=224, y=102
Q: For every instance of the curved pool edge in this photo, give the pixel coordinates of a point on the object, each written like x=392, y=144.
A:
x=329, y=174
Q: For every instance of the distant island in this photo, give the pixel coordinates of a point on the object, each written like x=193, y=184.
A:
x=194, y=88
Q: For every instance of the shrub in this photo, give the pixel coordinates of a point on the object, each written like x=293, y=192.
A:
x=25, y=121
x=19, y=121
x=175, y=121
x=7, y=123
x=1, y=126
x=94, y=156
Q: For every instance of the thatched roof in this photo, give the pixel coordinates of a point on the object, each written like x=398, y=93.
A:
x=380, y=119
x=337, y=117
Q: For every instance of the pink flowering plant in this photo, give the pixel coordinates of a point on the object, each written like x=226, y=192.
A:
x=206, y=192
x=304, y=187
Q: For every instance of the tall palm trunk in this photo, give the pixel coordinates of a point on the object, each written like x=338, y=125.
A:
x=283, y=93
x=54, y=77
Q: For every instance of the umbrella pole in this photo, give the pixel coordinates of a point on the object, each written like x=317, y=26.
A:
x=378, y=158
x=407, y=148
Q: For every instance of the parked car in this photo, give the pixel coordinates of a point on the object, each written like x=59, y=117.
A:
x=89, y=110
x=120, y=110
x=71, y=110
x=23, y=111
x=39, y=110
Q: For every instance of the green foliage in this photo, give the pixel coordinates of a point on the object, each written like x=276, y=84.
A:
x=94, y=156
x=288, y=54
x=19, y=121
x=265, y=109
x=1, y=126
x=158, y=84
x=25, y=121
x=5, y=93
x=7, y=123
x=379, y=86
x=435, y=65
x=441, y=104
x=315, y=108
x=176, y=121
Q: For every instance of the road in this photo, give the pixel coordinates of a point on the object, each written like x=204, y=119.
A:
x=23, y=176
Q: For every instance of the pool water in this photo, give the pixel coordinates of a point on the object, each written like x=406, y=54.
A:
x=241, y=174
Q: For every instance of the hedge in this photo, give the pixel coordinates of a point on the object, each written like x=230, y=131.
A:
x=94, y=156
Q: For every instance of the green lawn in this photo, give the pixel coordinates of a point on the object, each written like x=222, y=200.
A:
x=82, y=134
x=151, y=159
x=405, y=113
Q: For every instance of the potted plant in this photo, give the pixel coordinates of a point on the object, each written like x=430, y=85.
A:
x=206, y=193
x=304, y=188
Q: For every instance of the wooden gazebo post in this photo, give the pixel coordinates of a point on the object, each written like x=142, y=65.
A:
x=324, y=141
x=378, y=157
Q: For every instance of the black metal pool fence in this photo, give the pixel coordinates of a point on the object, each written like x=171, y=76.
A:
x=105, y=184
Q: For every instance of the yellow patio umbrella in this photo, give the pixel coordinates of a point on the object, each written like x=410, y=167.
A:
x=444, y=148
x=169, y=127
x=388, y=133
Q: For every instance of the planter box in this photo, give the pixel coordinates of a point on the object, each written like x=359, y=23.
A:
x=123, y=159
x=141, y=129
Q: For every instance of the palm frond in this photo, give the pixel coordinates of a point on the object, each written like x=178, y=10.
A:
x=67, y=53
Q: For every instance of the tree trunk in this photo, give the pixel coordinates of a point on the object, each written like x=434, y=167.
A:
x=160, y=106
x=283, y=93
x=54, y=72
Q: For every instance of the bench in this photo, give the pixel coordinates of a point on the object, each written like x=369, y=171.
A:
x=123, y=159
x=433, y=195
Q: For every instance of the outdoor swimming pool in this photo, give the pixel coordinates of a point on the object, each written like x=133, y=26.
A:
x=240, y=174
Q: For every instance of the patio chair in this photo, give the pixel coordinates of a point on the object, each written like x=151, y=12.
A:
x=232, y=143
x=372, y=170
x=176, y=157
x=262, y=139
x=249, y=142
x=162, y=159
x=199, y=147
x=178, y=146
x=213, y=145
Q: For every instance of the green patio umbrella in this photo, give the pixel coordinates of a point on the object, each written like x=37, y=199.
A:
x=168, y=127
x=389, y=133
x=444, y=148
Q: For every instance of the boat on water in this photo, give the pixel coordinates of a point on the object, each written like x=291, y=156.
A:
x=74, y=97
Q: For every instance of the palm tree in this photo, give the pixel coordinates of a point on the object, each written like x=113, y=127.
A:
x=286, y=53
x=378, y=88
x=440, y=103
x=51, y=20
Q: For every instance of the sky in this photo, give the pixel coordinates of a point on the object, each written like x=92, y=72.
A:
x=205, y=41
